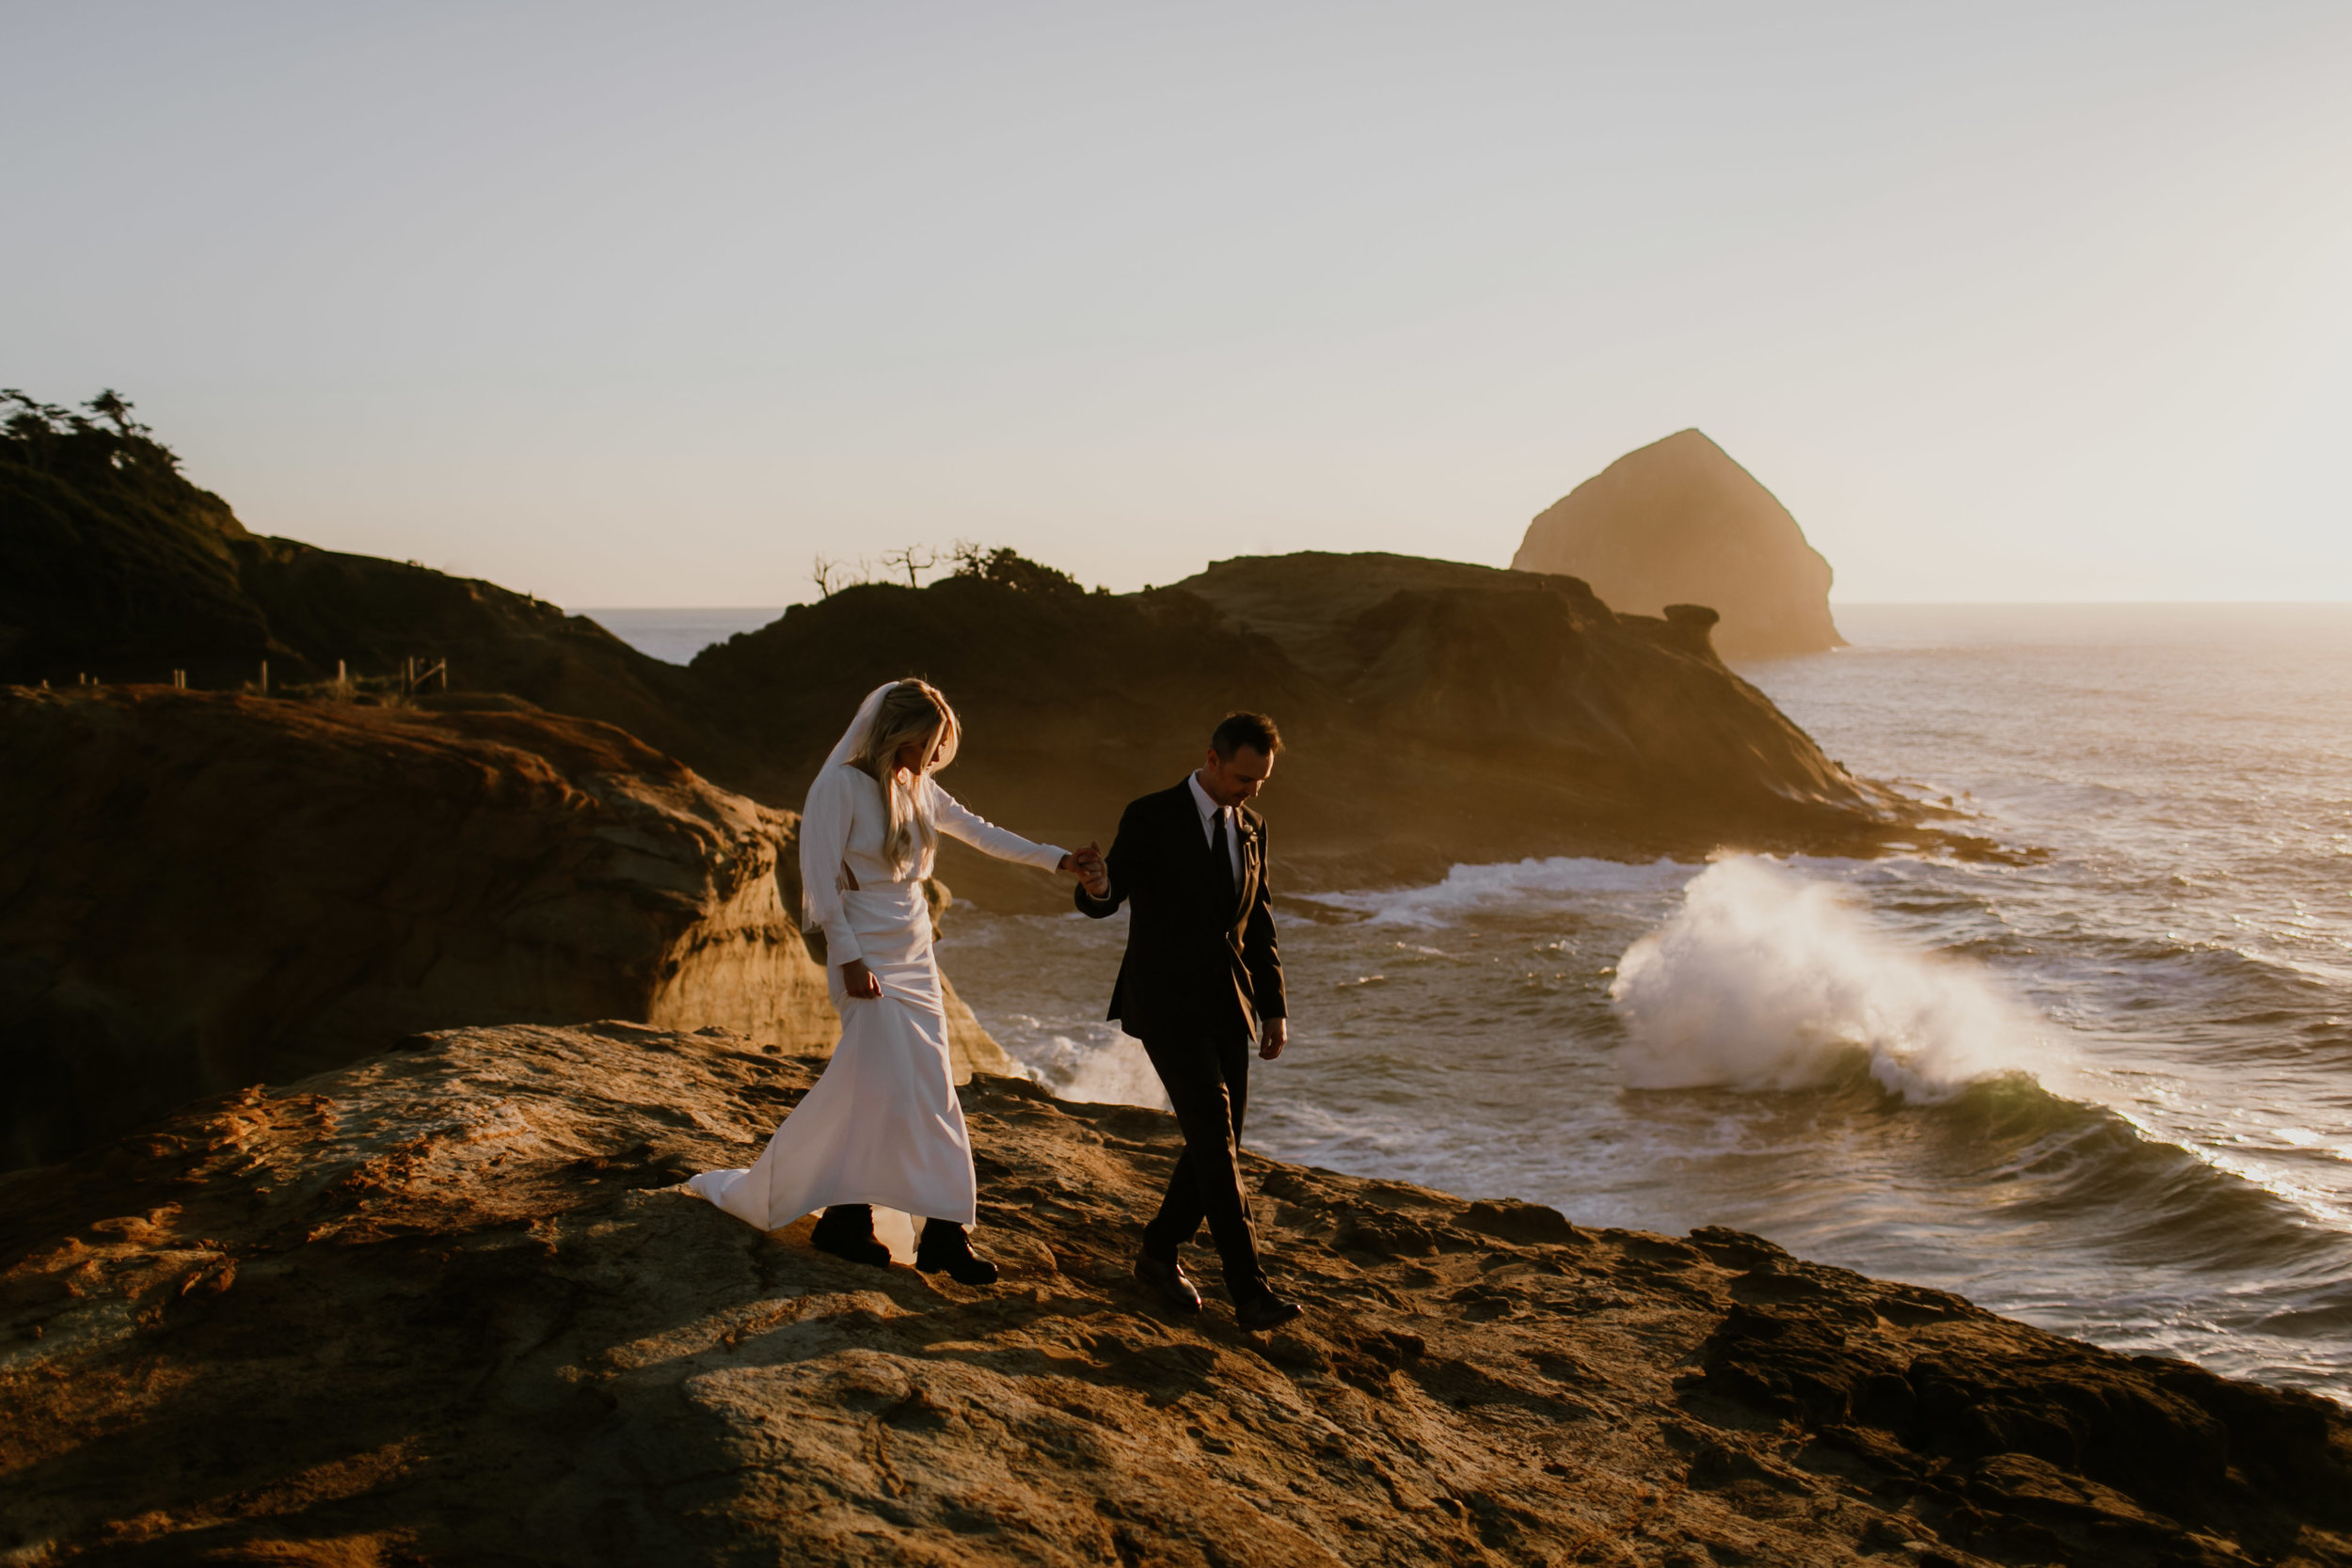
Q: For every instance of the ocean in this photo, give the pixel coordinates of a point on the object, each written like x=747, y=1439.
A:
x=675, y=636
x=2106, y=1088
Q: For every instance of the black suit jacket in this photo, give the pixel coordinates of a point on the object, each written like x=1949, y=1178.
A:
x=1201, y=960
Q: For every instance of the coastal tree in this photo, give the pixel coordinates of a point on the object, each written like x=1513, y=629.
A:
x=912, y=558
x=833, y=574
x=113, y=407
x=53, y=439
x=1006, y=567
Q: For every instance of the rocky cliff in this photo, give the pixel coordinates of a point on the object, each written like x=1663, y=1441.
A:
x=110, y=562
x=204, y=890
x=1488, y=714
x=1679, y=522
x=114, y=566
x=1435, y=713
x=1439, y=712
x=449, y=1306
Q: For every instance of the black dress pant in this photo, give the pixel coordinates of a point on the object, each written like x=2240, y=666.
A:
x=1208, y=1084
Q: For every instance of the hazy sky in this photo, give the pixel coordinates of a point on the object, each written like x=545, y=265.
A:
x=645, y=305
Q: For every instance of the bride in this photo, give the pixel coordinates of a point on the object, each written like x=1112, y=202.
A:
x=882, y=1125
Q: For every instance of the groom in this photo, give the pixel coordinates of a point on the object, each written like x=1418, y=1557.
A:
x=1200, y=977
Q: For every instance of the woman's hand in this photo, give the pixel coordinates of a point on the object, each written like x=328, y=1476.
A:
x=858, y=980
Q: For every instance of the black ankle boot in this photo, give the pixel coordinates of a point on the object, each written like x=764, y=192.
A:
x=846, y=1231
x=945, y=1245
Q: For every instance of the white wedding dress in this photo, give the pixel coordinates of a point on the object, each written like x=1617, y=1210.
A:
x=882, y=1126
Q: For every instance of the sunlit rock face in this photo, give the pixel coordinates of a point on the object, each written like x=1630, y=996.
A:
x=452, y=1304
x=1679, y=522
x=206, y=891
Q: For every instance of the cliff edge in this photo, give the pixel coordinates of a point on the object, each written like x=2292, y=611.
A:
x=1678, y=521
x=1439, y=713
x=448, y=1304
x=115, y=568
x=200, y=890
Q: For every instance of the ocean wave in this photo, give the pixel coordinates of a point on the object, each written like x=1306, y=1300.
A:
x=1097, y=1067
x=1764, y=982
x=1518, y=884
x=2046, y=1157
x=1766, y=979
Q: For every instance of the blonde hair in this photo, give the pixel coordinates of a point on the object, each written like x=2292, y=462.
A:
x=914, y=710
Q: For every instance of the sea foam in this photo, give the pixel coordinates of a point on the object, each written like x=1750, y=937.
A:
x=1764, y=979
x=1469, y=889
x=1100, y=1067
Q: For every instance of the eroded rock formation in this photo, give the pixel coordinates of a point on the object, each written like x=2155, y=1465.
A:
x=1679, y=522
x=448, y=1304
x=201, y=890
x=1436, y=713
x=1440, y=712
x=113, y=565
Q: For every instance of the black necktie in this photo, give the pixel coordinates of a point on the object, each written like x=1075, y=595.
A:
x=1224, y=857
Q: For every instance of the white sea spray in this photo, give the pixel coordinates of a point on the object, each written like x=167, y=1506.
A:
x=1100, y=1068
x=1766, y=979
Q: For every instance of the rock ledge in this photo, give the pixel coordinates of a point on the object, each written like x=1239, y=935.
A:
x=448, y=1304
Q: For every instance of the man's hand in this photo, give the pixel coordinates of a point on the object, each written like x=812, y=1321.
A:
x=858, y=980
x=1276, y=1035
x=1092, y=869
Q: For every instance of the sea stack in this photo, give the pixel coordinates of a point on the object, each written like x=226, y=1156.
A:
x=1679, y=522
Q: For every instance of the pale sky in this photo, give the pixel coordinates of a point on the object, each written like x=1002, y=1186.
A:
x=646, y=305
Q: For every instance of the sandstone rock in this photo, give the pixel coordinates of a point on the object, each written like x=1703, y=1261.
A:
x=113, y=565
x=1438, y=713
x=1679, y=521
x=1504, y=714
x=1435, y=713
x=448, y=1303
x=199, y=890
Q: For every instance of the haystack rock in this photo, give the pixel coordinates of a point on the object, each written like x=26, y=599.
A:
x=1679, y=522
x=200, y=892
x=448, y=1304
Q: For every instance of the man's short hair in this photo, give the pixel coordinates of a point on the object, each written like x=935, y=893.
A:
x=1254, y=731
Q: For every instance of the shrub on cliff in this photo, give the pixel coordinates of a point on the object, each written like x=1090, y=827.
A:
x=110, y=561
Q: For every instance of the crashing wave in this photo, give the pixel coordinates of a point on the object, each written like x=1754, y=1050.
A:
x=1764, y=979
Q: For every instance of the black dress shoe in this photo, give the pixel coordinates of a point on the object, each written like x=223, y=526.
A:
x=846, y=1231
x=1268, y=1310
x=948, y=1246
x=1164, y=1277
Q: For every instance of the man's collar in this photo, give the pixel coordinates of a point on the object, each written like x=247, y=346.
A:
x=1203, y=802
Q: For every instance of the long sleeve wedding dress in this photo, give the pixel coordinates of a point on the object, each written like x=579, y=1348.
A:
x=882, y=1126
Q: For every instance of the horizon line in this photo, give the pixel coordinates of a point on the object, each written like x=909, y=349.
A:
x=1834, y=604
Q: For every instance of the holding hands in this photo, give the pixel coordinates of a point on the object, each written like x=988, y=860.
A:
x=1089, y=866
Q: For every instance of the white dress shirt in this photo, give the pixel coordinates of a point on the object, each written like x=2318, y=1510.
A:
x=1210, y=811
